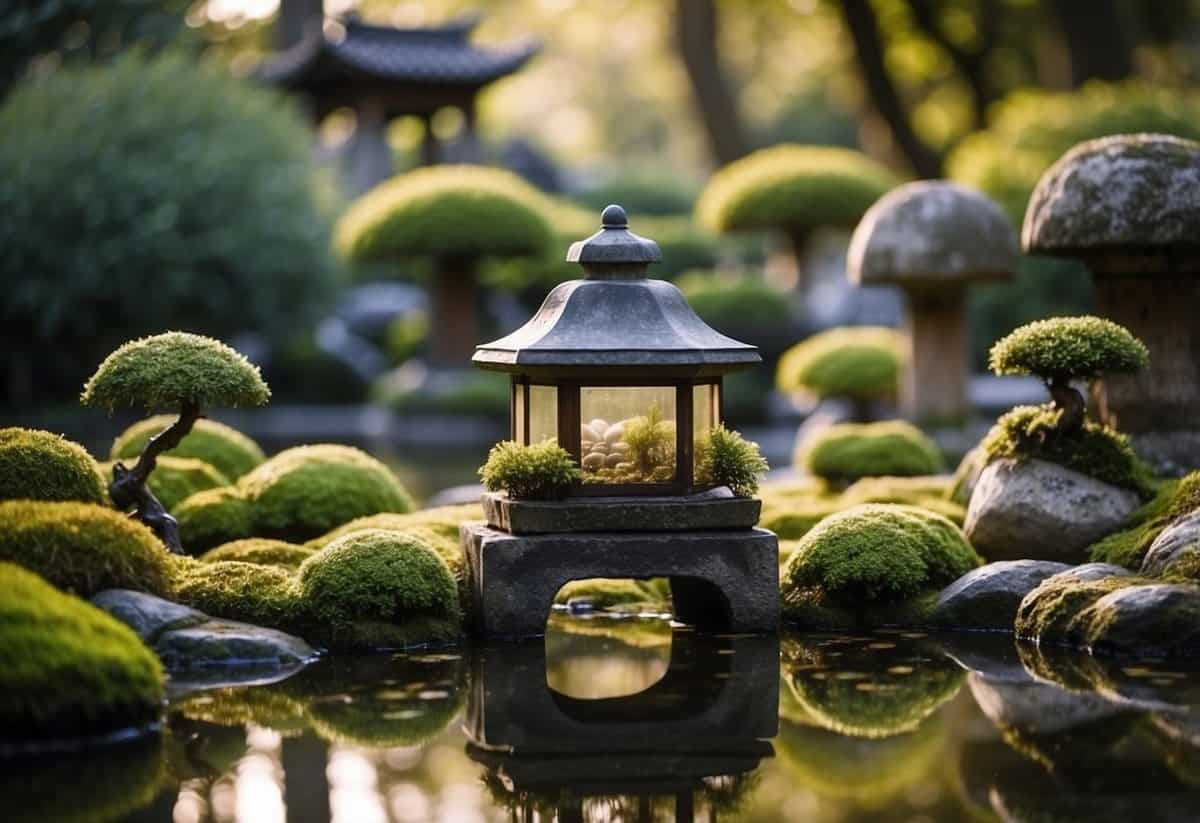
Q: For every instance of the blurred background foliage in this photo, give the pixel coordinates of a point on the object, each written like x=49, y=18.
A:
x=147, y=182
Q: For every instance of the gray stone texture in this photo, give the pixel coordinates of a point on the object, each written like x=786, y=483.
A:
x=1037, y=708
x=986, y=599
x=1038, y=510
x=726, y=580
x=713, y=509
x=1177, y=541
x=1153, y=621
x=1090, y=572
x=147, y=615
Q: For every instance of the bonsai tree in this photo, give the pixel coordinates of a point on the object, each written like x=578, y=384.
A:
x=1065, y=349
x=541, y=471
x=793, y=190
x=452, y=217
x=175, y=370
x=859, y=363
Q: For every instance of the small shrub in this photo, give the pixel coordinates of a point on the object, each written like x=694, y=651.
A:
x=725, y=458
x=83, y=548
x=543, y=471
x=175, y=479
x=210, y=518
x=249, y=592
x=1068, y=347
x=848, y=451
x=70, y=670
x=728, y=303
x=224, y=448
x=261, y=551
x=38, y=465
x=1032, y=432
x=857, y=362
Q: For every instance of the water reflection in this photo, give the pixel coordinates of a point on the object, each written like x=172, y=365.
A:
x=633, y=720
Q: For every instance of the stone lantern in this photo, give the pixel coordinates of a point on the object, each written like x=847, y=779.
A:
x=620, y=370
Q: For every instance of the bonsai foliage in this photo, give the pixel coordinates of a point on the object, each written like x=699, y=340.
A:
x=848, y=451
x=858, y=362
x=225, y=449
x=1062, y=349
x=727, y=303
x=542, y=471
x=651, y=448
x=70, y=670
x=725, y=458
x=172, y=370
x=38, y=465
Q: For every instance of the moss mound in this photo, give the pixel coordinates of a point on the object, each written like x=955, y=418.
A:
x=1068, y=346
x=83, y=548
x=175, y=479
x=1172, y=499
x=226, y=449
x=793, y=187
x=848, y=451
x=38, y=465
x=859, y=361
x=70, y=670
x=249, y=592
x=609, y=593
x=460, y=211
x=260, y=550
x=874, y=554
x=1047, y=614
x=443, y=521
x=304, y=492
x=791, y=510
x=1030, y=432
x=210, y=518
x=168, y=370
x=375, y=578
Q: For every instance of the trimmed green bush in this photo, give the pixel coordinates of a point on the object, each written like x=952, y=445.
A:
x=1033, y=432
x=852, y=361
x=169, y=370
x=876, y=554
x=260, y=550
x=38, y=465
x=378, y=578
x=130, y=207
x=210, y=518
x=735, y=303
x=70, y=670
x=793, y=188
x=848, y=451
x=224, y=448
x=542, y=471
x=652, y=193
x=1172, y=499
x=83, y=548
x=175, y=479
x=725, y=458
x=249, y=592
x=1069, y=347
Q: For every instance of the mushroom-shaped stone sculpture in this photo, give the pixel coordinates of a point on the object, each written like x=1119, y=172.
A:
x=1128, y=207
x=184, y=372
x=933, y=239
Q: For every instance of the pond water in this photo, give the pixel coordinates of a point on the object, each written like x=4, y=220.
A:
x=635, y=720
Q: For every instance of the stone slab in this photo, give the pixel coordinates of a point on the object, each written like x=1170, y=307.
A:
x=722, y=580
x=713, y=509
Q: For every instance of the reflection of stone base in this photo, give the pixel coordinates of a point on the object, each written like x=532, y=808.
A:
x=713, y=509
x=726, y=579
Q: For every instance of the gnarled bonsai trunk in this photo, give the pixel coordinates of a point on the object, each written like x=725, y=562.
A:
x=453, y=322
x=1069, y=402
x=128, y=489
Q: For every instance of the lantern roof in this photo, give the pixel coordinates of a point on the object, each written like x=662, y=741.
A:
x=617, y=317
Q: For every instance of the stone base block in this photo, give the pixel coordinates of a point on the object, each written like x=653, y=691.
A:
x=720, y=580
x=713, y=509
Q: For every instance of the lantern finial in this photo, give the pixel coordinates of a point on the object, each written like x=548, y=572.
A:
x=614, y=251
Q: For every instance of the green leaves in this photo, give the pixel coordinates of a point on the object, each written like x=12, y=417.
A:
x=1069, y=347
x=539, y=472
x=725, y=458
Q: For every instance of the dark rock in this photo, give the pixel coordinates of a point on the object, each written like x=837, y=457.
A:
x=987, y=598
x=1179, y=540
x=1157, y=620
x=147, y=615
x=1089, y=572
x=1036, y=708
x=227, y=643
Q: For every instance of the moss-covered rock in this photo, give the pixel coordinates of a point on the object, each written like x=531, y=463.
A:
x=377, y=587
x=304, y=492
x=1144, y=621
x=849, y=451
x=175, y=479
x=210, y=518
x=1172, y=499
x=260, y=550
x=874, y=563
x=248, y=592
x=38, y=465
x=1048, y=613
x=82, y=547
x=70, y=670
x=224, y=448
x=857, y=362
x=1071, y=347
x=168, y=370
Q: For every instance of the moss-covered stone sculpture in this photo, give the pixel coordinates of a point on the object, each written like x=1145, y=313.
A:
x=173, y=370
x=38, y=465
x=873, y=564
x=848, y=451
x=224, y=448
x=261, y=550
x=859, y=363
x=70, y=671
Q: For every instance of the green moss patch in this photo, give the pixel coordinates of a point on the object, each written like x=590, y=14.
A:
x=848, y=451
x=249, y=592
x=224, y=448
x=539, y=471
x=38, y=465
x=70, y=670
x=260, y=550
x=1172, y=499
x=210, y=518
x=1048, y=613
x=859, y=361
x=83, y=548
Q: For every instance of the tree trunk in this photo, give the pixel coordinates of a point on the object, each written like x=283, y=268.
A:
x=1069, y=402
x=868, y=51
x=696, y=37
x=1098, y=43
x=935, y=383
x=454, y=320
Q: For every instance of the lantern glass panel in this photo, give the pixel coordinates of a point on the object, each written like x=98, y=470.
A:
x=704, y=420
x=518, y=413
x=627, y=434
x=543, y=413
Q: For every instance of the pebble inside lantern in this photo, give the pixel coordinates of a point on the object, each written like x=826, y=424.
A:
x=622, y=374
